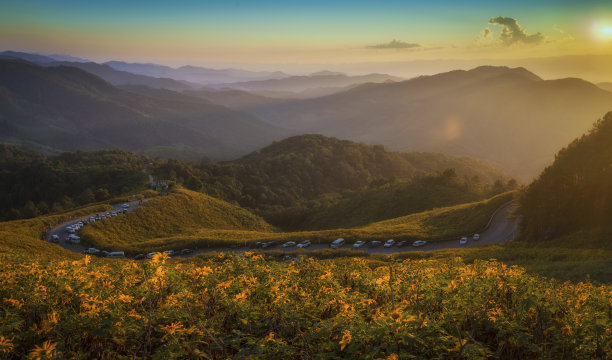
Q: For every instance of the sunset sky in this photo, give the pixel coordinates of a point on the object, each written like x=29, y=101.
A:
x=306, y=32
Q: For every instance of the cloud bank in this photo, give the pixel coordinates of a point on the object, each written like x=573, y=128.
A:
x=394, y=44
x=513, y=33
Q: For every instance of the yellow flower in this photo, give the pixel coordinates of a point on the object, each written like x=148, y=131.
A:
x=346, y=339
x=270, y=336
x=6, y=345
x=43, y=352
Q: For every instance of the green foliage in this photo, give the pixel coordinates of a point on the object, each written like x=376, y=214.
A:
x=191, y=220
x=30, y=181
x=575, y=193
x=290, y=180
x=27, y=237
x=181, y=212
x=387, y=201
x=242, y=306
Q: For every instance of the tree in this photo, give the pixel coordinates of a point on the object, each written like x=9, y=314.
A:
x=194, y=183
x=87, y=197
x=30, y=210
x=102, y=194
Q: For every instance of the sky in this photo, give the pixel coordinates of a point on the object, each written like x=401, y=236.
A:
x=307, y=33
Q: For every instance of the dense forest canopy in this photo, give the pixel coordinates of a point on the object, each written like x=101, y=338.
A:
x=32, y=184
x=287, y=180
x=575, y=192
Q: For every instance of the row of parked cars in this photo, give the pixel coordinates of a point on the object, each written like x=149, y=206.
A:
x=357, y=244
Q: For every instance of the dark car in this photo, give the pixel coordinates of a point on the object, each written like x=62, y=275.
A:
x=140, y=256
x=269, y=244
x=186, y=251
x=402, y=243
x=257, y=245
x=374, y=243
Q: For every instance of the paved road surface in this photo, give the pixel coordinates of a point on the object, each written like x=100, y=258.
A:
x=502, y=228
x=61, y=232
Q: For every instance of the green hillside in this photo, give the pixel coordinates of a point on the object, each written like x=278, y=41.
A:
x=292, y=177
x=181, y=212
x=33, y=184
x=187, y=219
x=574, y=194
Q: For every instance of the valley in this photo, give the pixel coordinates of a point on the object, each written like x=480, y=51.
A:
x=484, y=228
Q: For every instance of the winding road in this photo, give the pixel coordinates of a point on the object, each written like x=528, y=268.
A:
x=501, y=227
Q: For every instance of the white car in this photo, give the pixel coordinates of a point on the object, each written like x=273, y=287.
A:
x=289, y=244
x=463, y=241
x=70, y=230
x=389, y=243
x=337, y=243
x=359, y=243
x=419, y=243
x=125, y=206
x=476, y=237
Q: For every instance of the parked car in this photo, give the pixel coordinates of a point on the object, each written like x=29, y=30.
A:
x=303, y=244
x=92, y=219
x=91, y=251
x=186, y=251
x=374, y=243
x=150, y=255
x=125, y=206
x=169, y=252
x=97, y=217
x=359, y=243
x=116, y=254
x=54, y=238
x=124, y=211
x=74, y=239
x=269, y=244
x=419, y=243
x=113, y=213
x=476, y=237
x=289, y=244
x=463, y=241
x=389, y=243
x=257, y=245
x=402, y=243
x=337, y=243
x=70, y=229
x=140, y=257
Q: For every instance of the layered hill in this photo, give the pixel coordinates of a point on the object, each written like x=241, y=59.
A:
x=317, y=84
x=303, y=172
x=195, y=74
x=65, y=108
x=574, y=193
x=510, y=117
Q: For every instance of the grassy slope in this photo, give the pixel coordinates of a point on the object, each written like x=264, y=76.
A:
x=189, y=219
x=181, y=212
x=25, y=237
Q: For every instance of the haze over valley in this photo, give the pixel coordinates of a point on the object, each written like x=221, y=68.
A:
x=305, y=180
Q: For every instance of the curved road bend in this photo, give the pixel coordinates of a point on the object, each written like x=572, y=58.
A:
x=501, y=229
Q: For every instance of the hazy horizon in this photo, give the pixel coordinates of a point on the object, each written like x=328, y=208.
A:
x=391, y=37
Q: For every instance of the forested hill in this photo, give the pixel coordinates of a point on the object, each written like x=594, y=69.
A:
x=311, y=165
x=292, y=177
x=32, y=184
x=575, y=192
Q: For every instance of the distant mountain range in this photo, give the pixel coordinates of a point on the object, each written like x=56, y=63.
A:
x=38, y=58
x=195, y=74
x=509, y=117
x=314, y=85
x=65, y=108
